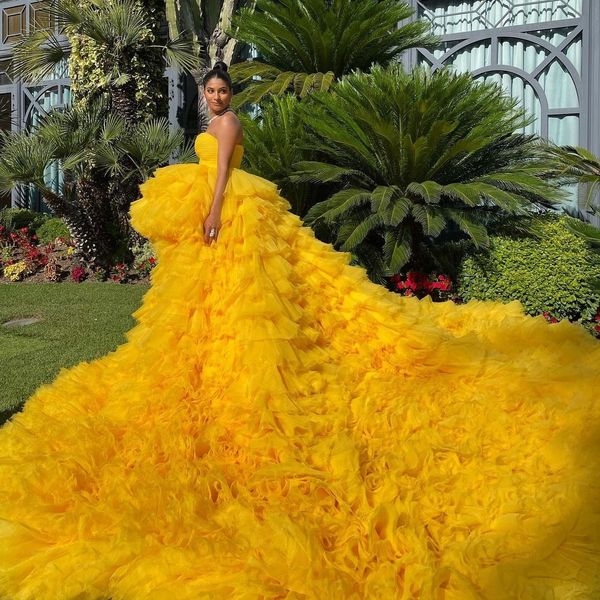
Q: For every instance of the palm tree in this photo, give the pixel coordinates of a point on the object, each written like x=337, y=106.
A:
x=417, y=155
x=305, y=45
x=90, y=147
x=122, y=27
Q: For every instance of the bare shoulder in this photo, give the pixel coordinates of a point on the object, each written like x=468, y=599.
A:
x=230, y=128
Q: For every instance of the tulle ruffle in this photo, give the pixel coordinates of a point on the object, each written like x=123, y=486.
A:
x=277, y=426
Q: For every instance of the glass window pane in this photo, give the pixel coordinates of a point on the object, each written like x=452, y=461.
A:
x=564, y=130
x=458, y=16
x=471, y=58
x=5, y=111
x=4, y=76
x=559, y=87
x=520, y=54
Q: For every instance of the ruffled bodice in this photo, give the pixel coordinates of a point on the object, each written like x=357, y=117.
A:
x=206, y=146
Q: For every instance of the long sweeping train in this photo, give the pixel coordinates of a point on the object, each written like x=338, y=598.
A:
x=277, y=426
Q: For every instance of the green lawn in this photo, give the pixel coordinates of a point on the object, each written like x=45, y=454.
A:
x=79, y=322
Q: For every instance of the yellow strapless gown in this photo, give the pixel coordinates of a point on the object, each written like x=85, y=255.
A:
x=278, y=426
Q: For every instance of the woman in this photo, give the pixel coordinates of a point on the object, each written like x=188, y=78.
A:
x=278, y=426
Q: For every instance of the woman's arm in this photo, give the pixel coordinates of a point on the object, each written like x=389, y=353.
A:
x=227, y=135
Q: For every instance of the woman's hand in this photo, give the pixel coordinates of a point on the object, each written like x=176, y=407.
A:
x=212, y=221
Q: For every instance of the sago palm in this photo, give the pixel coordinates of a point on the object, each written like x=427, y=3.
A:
x=272, y=147
x=305, y=45
x=416, y=155
x=577, y=165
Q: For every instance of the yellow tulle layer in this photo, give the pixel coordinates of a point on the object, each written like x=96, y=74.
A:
x=277, y=426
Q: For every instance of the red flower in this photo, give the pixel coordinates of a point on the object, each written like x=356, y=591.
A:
x=152, y=260
x=78, y=273
x=549, y=317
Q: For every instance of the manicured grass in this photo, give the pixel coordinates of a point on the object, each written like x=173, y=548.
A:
x=78, y=322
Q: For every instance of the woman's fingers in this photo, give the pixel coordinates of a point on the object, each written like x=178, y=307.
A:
x=208, y=239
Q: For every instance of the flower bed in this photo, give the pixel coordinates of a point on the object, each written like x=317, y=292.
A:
x=440, y=288
x=24, y=259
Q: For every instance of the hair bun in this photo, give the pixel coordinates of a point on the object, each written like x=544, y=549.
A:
x=220, y=66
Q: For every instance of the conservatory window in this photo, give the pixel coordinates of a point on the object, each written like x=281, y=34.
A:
x=532, y=48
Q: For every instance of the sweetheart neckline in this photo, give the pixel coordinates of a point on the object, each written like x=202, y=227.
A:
x=215, y=138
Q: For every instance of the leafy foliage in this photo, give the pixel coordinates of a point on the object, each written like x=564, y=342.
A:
x=17, y=218
x=554, y=272
x=418, y=157
x=578, y=165
x=304, y=45
x=88, y=64
x=116, y=31
x=272, y=146
x=52, y=229
x=88, y=145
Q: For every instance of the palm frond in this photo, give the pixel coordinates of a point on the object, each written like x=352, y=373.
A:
x=360, y=232
x=36, y=56
x=181, y=53
x=431, y=219
x=315, y=43
x=312, y=171
x=339, y=203
x=23, y=160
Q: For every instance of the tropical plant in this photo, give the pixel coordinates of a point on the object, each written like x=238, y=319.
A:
x=207, y=24
x=93, y=150
x=272, y=147
x=416, y=156
x=88, y=58
x=305, y=45
x=577, y=165
x=120, y=27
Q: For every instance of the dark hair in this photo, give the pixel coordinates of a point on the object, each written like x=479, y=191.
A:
x=219, y=71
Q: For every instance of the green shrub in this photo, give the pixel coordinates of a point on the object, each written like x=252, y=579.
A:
x=52, y=229
x=16, y=218
x=556, y=272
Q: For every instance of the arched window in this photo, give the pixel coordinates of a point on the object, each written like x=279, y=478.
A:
x=540, y=51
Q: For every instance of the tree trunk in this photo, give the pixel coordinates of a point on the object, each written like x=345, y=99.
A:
x=124, y=103
x=81, y=231
x=123, y=193
x=94, y=207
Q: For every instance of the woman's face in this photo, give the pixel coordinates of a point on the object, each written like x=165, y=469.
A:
x=217, y=94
